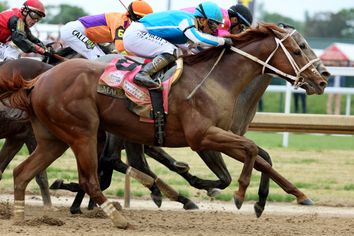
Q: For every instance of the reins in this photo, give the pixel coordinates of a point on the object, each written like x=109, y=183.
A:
x=211, y=70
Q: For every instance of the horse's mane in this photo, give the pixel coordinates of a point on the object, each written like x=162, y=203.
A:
x=246, y=37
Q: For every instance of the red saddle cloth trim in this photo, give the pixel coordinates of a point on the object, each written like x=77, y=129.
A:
x=122, y=79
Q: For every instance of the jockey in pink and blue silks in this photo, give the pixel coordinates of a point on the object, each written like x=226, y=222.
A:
x=235, y=19
x=160, y=32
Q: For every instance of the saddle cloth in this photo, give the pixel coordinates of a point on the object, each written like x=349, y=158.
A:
x=117, y=81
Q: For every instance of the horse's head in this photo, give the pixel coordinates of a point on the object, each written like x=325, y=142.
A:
x=306, y=49
x=303, y=69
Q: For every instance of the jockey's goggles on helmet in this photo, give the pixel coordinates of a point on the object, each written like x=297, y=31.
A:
x=213, y=25
x=34, y=15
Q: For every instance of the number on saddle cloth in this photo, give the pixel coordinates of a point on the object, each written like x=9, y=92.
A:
x=125, y=65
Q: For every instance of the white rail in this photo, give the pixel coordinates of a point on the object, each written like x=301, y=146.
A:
x=288, y=90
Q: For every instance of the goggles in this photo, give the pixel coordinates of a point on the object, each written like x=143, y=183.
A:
x=34, y=15
x=213, y=25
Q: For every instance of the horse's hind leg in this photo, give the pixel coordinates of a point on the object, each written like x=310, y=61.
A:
x=8, y=152
x=213, y=160
x=136, y=159
x=46, y=152
x=161, y=156
x=41, y=177
x=216, y=164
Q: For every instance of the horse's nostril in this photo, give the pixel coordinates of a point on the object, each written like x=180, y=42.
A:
x=323, y=84
x=326, y=74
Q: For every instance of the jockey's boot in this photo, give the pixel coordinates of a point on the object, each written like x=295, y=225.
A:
x=143, y=77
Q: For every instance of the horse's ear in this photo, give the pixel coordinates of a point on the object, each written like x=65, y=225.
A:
x=279, y=33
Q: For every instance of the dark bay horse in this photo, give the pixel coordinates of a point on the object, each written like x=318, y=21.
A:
x=65, y=110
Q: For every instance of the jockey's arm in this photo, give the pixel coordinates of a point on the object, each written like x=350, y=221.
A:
x=34, y=39
x=198, y=37
x=19, y=36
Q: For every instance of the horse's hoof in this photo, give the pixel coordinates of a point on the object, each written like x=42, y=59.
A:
x=190, y=206
x=213, y=192
x=75, y=211
x=306, y=202
x=258, y=209
x=118, y=220
x=238, y=201
x=57, y=184
x=50, y=208
x=157, y=199
x=181, y=167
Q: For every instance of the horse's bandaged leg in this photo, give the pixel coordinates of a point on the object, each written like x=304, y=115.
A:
x=167, y=190
x=19, y=211
x=118, y=220
x=143, y=178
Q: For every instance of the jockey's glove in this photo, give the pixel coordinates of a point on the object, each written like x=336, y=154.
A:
x=43, y=51
x=228, y=42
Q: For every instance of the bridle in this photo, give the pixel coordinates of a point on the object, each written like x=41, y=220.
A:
x=297, y=79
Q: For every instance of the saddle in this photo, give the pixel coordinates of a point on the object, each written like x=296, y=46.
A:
x=150, y=105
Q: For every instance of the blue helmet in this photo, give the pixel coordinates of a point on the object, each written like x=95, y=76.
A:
x=210, y=11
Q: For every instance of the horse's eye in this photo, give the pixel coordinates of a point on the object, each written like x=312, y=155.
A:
x=297, y=52
x=302, y=46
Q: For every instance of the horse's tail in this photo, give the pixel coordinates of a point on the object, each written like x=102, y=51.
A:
x=14, y=92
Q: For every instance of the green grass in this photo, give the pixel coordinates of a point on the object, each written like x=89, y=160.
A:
x=300, y=141
x=274, y=102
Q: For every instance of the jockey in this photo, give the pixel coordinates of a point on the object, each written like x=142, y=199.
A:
x=84, y=34
x=235, y=19
x=159, y=32
x=14, y=26
x=240, y=18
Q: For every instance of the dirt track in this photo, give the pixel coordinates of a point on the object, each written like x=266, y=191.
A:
x=211, y=219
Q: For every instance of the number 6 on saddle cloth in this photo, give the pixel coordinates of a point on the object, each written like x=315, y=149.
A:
x=149, y=105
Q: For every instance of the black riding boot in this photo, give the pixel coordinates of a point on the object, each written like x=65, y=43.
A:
x=143, y=77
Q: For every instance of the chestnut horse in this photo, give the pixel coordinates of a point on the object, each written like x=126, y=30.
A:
x=17, y=131
x=246, y=108
x=66, y=111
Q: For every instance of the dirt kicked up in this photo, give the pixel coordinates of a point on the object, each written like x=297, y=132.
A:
x=278, y=219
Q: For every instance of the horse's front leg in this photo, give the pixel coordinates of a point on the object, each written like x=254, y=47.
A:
x=237, y=147
x=87, y=162
x=263, y=166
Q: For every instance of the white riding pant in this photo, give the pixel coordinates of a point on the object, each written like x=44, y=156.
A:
x=8, y=52
x=73, y=34
x=137, y=40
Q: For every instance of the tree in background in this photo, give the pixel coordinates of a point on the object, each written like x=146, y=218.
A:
x=277, y=18
x=326, y=24
x=65, y=13
x=4, y=6
x=338, y=25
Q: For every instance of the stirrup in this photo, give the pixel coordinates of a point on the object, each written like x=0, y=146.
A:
x=158, y=87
